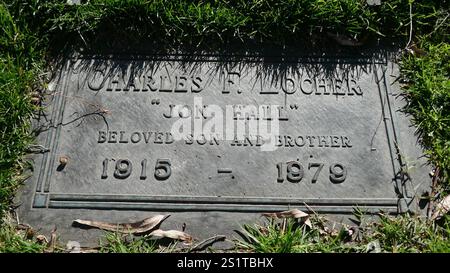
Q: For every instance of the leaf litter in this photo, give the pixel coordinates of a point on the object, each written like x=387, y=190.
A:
x=293, y=213
x=139, y=227
x=148, y=226
x=441, y=208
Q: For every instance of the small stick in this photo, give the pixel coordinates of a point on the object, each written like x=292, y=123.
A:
x=309, y=208
x=433, y=188
x=208, y=242
x=410, y=25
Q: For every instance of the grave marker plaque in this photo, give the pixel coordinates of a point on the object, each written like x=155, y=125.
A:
x=221, y=134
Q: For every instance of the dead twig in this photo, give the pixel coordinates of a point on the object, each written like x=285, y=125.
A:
x=433, y=191
x=207, y=242
x=410, y=25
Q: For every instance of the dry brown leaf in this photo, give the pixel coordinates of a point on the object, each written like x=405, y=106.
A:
x=63, y=160
x=173, y=234
x=441, y=208
x=42, y=239
x=29, y=233
x=415, y=50
x=142, y=226
x=293, y=213
x=51, y=245
x=35, y=100
x=308, y=223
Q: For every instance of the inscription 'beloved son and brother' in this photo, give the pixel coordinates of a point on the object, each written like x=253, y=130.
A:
x=156, y=137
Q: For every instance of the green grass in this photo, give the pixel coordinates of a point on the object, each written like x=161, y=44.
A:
x=411, y=234
x=401, y=234
x=13, y=241
x=213, y=24
x=289, y=236
x=273, y=238
x=18, y=77
x=428, y=92
x=32, y=31
x=119, y=243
